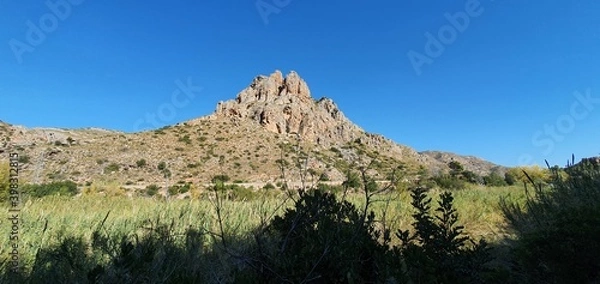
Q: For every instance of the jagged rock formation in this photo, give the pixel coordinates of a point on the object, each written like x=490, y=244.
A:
x=284, y=105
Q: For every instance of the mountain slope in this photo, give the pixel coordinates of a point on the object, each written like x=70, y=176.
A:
x=274, y=122
x=474, y=164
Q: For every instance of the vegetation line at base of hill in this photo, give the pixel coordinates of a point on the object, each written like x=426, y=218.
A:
x=367, y=232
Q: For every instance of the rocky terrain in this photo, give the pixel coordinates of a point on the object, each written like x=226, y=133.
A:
x=472, y=163
x=272, y=129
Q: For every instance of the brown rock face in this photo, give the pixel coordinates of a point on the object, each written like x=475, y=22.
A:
x=285, y=106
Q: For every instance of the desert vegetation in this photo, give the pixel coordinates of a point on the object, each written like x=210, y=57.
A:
x=538, y=226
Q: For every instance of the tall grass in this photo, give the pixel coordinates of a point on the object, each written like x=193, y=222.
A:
x=47, y=221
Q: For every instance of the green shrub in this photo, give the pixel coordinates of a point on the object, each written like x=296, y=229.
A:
x=234, y=191
x=449, y=182
x=456, y=169
x=558, y=229
x=494, y=179
x=185, y=188
x=324, y=177
x=472, y=177
x=67, y=188
x=152, y=189
x=335, y=189
x=185, y=139
x=240, y=193
x=173, y=190
x=141, y=163
x=179, y=188
x=24, y=159
x=510, y=178
x=282, y=163
x=352, y=180
x=268, y=186
x=113, y=167
x=220, y=178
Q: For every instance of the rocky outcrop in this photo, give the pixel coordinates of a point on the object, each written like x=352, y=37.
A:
x=285, y=106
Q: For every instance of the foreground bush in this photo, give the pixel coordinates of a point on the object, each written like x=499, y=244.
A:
x=558, y=230
x=326, y=240
x=437, y=251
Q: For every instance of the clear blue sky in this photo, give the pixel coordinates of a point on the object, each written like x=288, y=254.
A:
x=502, y=88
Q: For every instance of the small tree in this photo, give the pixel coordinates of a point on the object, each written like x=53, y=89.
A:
x=437, y=251
x=456, y=169
x=472, y=177
x=352, y=180
x=494, y=179
x=510, y=178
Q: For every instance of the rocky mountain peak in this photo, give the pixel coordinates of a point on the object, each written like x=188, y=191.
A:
x=274, y=87
x=284, y=105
